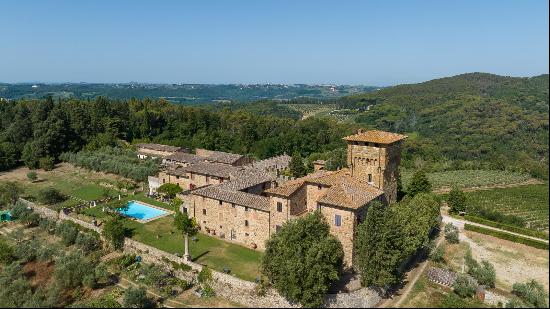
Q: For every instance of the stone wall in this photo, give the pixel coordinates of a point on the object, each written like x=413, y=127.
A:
x=345, y=232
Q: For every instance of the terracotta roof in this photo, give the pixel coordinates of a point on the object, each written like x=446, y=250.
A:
x=159, y=147
x=289, y=187
x=176, y=171
x=236, y=197
x=347, y=191
x=344, y=190
x=185, y=157
x=213, y=169
x=218, y=156
x=376, y=136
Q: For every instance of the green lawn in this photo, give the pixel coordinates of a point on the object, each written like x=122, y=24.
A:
x=215, y=253
x=529, y=202
x=92, y=192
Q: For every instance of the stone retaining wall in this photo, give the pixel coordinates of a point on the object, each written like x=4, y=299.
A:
x=227, y=286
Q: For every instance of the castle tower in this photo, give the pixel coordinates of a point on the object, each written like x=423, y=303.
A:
x=374, y=156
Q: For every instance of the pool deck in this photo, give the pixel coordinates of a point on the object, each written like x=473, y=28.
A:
x=167, y=212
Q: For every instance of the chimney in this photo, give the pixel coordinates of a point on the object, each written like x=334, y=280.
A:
x=359, y=131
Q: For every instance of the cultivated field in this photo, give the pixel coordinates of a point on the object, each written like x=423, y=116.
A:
x=309, y=110
x=529, y=202
x=468, y=178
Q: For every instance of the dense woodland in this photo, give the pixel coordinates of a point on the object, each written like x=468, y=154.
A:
x=470, y=121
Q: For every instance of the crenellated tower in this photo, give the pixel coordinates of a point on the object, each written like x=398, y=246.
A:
x=374, y=156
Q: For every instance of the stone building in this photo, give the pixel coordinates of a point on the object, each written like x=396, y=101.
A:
x=157, y=150
x=244, y=204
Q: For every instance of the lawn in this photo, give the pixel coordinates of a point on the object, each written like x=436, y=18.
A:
x=529, y=202
x=467, y=178
x=216, y=253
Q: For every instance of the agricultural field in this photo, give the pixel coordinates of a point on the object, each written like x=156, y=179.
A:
x=529, y=202
x=310, y=110
x=468, y=178
x=80, y=185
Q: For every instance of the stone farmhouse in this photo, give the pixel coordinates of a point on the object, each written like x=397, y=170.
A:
x=243, y=202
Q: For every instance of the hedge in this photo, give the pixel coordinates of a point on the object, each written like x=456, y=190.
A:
x=511, y=228
x=503, y=235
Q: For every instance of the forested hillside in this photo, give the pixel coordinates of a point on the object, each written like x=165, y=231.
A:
x=32, y=130
x=470, y=121
x=473, y=120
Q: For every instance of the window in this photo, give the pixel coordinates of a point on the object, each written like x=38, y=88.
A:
x=192, y=176
x=233, y=205
x=184, y=209
x=246, y=209
x=277, y=228
x=220, y=202
x=204, y=212
x=163, y=180
x=318, y=187
x=207, y=179
x=370, y=177
x=337, y=220
x=279, y=207
x=245, y=222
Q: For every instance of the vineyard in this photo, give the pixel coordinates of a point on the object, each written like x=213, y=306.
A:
x=310, y=110
x=468, y=178
x=530, y=203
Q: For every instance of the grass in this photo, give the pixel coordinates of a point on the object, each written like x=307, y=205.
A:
x=216, y=253
x=529, y=202
x=506, y=236
x=467, y=178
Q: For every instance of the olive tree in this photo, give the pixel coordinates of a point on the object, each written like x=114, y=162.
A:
x=188, y=226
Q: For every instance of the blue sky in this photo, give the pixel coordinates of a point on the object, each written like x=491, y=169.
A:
x=345, y=42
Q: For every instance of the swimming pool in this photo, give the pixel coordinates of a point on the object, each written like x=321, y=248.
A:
x=142, y=211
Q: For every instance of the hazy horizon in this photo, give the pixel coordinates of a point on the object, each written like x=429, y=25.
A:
x=284, y=42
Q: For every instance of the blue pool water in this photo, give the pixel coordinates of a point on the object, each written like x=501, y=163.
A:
x=141, y=211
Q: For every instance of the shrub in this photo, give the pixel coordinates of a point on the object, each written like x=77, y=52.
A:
x=531, y=292
x=6, y=253
x=451, y=233
x=456, y=200
x=438, y=254
x=68, y=231
x=485, y=273
x=32, y=176
x=88, y=242
x=46, y=253
x=46, y=163
x=137, y=298
x=50, y=196
x=464, y=286
x=26, y=251
x=20, y=210
x=205, y=275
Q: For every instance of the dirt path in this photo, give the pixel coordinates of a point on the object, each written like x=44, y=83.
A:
x=531, y=181
x=411, y=278
x=460, y=224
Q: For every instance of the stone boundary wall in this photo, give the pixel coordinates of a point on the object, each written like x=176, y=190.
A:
x=227, y=286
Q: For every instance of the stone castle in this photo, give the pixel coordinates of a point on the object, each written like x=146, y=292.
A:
x=243, y=201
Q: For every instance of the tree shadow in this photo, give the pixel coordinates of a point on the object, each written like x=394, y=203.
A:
x=200, y=255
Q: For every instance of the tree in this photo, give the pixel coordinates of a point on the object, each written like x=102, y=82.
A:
x=530, y=293
x=114, y=231
x=9, y=193
x=464, y=286
x=419, y=183
x=71, y=269
x=451, y=233
x=169, y=190
x=50, y=196
x=457, y=200
x=297, y=167
x=6, y=253
x=303, y=259
x=68, y=231
x=372, y=243
x=46, y=163
x=137, y=298
x=32, y=176
x=188, y=226
x=485, y=273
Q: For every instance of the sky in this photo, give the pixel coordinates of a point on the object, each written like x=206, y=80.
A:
x=329, y=42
